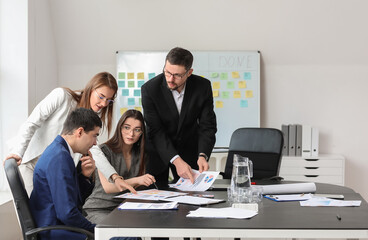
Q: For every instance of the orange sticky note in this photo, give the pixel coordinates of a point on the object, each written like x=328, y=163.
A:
x=235, y=75
x=242, y=84
x=215, y=93
x=237, y=94
x=216, y=85
x=219, y=104
x=249, y=94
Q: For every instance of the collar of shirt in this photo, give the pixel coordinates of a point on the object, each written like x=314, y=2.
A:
x=76, y=156
x=178, y=97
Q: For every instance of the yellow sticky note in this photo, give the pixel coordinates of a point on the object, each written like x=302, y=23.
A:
x=215, y=93
x=219, y=104
x=242, y=84
x=216, y=85
x=140, y=75
x=235, y=75
x=123, y=110
x=130, y=75
x=237, y=94
x=138, y=109
x=249, y=94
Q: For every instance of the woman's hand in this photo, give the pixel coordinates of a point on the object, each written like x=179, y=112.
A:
x=146, y=180
x=16, y=157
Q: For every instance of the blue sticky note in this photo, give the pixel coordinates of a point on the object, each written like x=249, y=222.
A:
x=121, y=84
x=243, y=103
x=131, y=101
x=125, y=92
x=247, y=76
x=151, y=75
x=137, y=92
x=140, y=83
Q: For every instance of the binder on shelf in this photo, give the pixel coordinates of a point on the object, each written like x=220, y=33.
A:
x=292, y=139
x=306, y=141
x=298, y=145
x=285, y=132
x=315, y=142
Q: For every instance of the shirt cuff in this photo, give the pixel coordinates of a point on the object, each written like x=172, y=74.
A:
x=174, y=158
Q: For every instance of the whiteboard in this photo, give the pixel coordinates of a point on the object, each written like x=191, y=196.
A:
x=235, y=78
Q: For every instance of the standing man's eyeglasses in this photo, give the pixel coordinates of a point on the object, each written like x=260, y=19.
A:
x=174, y=75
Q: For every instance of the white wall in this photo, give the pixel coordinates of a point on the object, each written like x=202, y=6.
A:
x=28, y=69
x=314, y=55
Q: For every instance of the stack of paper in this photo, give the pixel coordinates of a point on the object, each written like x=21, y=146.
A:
x=326, y=202
x=194, y=200
x=151, y=206
x=222, y=213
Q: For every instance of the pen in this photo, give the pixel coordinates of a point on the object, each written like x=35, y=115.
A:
x=155, y=185
x=338, y=217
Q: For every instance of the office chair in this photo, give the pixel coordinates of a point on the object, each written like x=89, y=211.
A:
x=261, y=145
x=21, y=202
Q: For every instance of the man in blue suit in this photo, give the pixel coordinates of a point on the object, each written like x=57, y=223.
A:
x=59, y=187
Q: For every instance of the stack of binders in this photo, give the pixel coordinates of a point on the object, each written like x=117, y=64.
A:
x=300, y=140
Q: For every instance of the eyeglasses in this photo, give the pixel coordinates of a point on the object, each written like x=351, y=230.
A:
x=109, y=101
x=128, y=129
x=174, y=75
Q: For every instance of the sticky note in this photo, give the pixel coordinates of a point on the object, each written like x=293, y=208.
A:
x=249, y=94
x=131, y=101
x=151, y=75
x=243, y=103
x=121, y=75
x=130, y=75
x=121, y=84
x=237, y=94
x=223, y=76
x=247, y=76
x=215, y=93
x=230, y=85
x=216, y=85
x=130, y=84
x=140, y=75
x=137, y=92
x=140, y=83
x=214, y=75
x=225, y=95
x=125, y=92
x=242, y=84
x=138, y=108
x=123, y=110
x=219, y=104
x=235, y=75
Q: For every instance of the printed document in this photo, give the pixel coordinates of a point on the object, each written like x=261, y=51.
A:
x=151, y=194
x=150, y=206
x=201, y=183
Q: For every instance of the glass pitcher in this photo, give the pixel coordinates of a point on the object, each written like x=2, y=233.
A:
x=242, y=172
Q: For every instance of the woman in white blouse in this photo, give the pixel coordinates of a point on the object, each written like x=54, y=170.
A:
x=47, y=119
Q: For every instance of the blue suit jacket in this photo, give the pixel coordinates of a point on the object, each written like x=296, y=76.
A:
x=57, y=197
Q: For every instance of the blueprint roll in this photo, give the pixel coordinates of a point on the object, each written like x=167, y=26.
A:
x=290, y=188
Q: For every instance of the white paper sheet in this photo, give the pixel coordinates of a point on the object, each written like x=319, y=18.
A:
x=151, y=194
x=193, y=200
x=202, y=181
x=289, y=188
x=289, y=197
x=150, y=206
x=326, y=202
x=222, y=213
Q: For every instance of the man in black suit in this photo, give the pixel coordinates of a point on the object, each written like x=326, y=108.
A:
x=181, y=123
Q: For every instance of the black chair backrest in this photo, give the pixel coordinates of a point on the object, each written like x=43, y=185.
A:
x=261, y=145
x=20, y=196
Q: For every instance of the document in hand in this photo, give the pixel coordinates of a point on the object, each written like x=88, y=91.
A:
x=150, y=206
x=202, y=181
x=222, y=213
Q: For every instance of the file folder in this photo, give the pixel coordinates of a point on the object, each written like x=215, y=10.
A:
x=306, y=141
x=292, y=139
x=315, y=142
x=285, y=132
x=299, y=134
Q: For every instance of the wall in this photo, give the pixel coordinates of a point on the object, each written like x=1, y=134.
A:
x=28, y=68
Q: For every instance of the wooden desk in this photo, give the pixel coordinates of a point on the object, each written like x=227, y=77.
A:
x=274, y=220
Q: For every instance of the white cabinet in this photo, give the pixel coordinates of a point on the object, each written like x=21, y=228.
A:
x=326, y=168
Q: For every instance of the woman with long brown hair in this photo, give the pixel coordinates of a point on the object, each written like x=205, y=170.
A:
x=125, y=152
x=47, y=119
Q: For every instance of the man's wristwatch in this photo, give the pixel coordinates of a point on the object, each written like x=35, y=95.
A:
x=203, y=155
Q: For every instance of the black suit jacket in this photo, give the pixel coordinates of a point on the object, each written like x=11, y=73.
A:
x=168, y=133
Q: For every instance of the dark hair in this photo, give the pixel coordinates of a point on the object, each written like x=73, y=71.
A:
x=116, y=142
x=83, y=99
x=81, y=117
x=180, y=56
